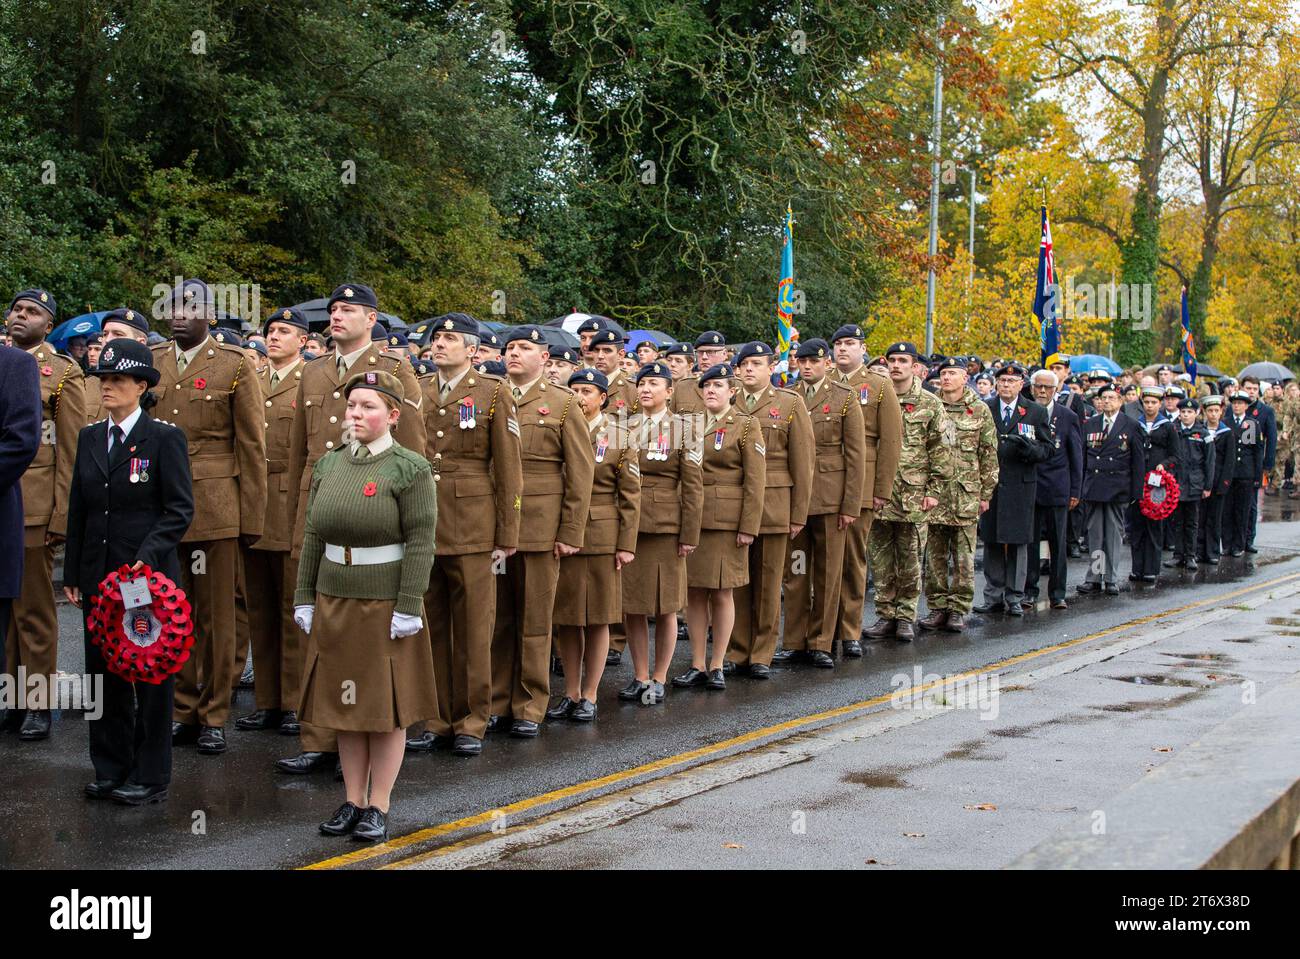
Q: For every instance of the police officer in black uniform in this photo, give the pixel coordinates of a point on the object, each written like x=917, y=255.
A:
x=130, y=503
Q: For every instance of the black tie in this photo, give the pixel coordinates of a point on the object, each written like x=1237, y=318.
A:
x=1006, y=418
x=116, y=438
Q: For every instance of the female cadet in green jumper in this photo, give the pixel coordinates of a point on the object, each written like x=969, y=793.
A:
x=366, y=558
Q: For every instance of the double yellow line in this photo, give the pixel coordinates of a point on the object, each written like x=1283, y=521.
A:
x=586, y=787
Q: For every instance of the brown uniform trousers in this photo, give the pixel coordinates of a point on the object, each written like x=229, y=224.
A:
x=270, y=572
x=558, y=467
x=816, y=566
x=882, y=419
x=217, y=403
x=623, y=402
x=790, y=448
x=318, y=420
x=32, y=639
x=480, y=484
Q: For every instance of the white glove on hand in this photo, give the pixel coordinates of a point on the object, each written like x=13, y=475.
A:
x=302, y=615
x=404, y=625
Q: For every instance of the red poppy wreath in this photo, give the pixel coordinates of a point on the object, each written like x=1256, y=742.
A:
x=146, y=644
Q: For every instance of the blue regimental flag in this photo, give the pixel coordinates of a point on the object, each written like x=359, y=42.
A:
x=1189, y=341
x=785, y=293
x=1046, y=299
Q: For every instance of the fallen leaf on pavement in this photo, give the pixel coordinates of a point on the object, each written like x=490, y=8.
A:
x=914, y=835
x=732, y=845
x=983, y=805
x=1163, y=749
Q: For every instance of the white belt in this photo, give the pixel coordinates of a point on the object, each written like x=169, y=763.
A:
x=364, y=555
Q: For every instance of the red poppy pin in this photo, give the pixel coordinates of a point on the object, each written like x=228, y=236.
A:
x=544, y=410
x=368, y=489
x=620, y=404
x=969, y=411
x=774, y=412
x=1020, y=410
x=47, y=371
x=1254, y=412
x=200, y=384
x=293, y=404
x=826, y=407
x=909, y=406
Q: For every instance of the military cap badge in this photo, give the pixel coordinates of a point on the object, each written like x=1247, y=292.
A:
x=286, y=314
x=448, y=325
x=348, y=291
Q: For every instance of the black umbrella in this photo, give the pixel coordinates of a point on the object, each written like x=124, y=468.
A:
x=1267, y=371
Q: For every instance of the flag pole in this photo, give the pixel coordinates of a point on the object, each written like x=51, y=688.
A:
x=934, y=188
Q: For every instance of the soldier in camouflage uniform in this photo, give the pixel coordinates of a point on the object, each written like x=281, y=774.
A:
x=924, y=470
x=950, y=557
x=1288, y=439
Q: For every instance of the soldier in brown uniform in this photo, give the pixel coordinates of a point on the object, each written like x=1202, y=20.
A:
x=589, y=597
x=671, y=503
x=209, y=391
x=605, y=347
x=558, y=466
x=32, y=639
x=472, y=441
x=882, y=418
x=734, y=470
x=686, y=384
x=710, y=350
x=270, y=572
x=790, y=450
x=815, y=567
x=121, y=322
x=317, y=428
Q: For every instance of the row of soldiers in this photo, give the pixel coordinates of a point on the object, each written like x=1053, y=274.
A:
x=861, y=468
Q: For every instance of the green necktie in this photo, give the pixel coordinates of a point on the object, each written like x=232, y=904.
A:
x=445, y=390
x=343, y=367
x=363, y=452
x=750, y=401
x=519, y=394
x=181, y=362
x=275, y=380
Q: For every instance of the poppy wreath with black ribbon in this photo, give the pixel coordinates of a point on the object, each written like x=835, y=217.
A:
x=1159, y=502
x=146, y=644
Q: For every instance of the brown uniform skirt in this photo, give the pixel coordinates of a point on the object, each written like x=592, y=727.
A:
x=357, y=679
x=589, y=592
x=718, y=563
x=654, y=584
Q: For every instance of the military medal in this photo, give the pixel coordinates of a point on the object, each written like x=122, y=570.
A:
x=602, y=444
x=467, y=420
x=660, y=450
x=139, y=470
x=864, y=394
x=717, y=439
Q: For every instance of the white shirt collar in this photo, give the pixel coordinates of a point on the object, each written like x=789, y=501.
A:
x=126, y=425
x=596, y=423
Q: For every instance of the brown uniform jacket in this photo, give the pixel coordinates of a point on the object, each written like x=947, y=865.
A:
x=48, y=480
x=478, y=468
x=94, y=400
x=686, y=396
x=615, y=512
x=790, y=450
x=217, y=403
x=841, y=449
x=735, y=471
x=319, y=418
x=672, y=489
x=882, y=418
x=623, y=397
x=279, y=407
x=558, y=468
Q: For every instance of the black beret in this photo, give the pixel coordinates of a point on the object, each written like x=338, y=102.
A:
x=678, y=349
x=654, y=369
x=397, y=338
x=41, y=298
x=1187, y=403
x=357, y=293
x=132, y=318
x=290, y=315
x=950, y=363
x=560, y=352
x=850, y=331
x=755, y=348
x=718, y=371
x=907, y=349
x=710, y=338
x=1012, y=369
x=813, y=349
x=590, y=378
x=529, y=332
x=228, y=337
x=494, y=367
x=455, y=323
x=605, y=336
x=378, y=332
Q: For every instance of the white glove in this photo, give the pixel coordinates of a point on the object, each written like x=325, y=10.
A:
x=302, y=615
x=404, y=625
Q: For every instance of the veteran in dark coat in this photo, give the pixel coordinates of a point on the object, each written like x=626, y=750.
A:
x=20, y=438
x=1060, y=488
x=1007, y=527
x=1113, y=470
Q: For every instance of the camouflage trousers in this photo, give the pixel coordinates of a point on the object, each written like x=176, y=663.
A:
x=1286, y=453
x=950, y=567
x=895, y=549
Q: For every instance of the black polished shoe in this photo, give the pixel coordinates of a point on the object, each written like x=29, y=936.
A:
x=343, y=821
x=260, y=719
x=692, y=677
x=36, y=726
x=633, y=691
x=1251, y=549
x=134, y=794
x=1174, y=564
x=1149, y=580
x=1014, y=609
x=1112, y=589
x=1191, y=566
x=729, y=668
x=427, y=742
x=466, y=745
x=882, y=627
x=822, y=659
x=561, y=709
x=716, y=680
x=184, y=734
x=1237, y=552
x=786, y=657
x=525, y=729
x=1087, y=588
x=613, y=657
x=212, y=740
x=852, y=649
x=583, y=712
x=13, y=721
x=1060, y=604
x=1074, y=552
x=304, y=763
x=986, y=608
x=760, y=671
x=372, y=826
x=655, y=696
x=289, y=725
x=102, y=788
x=498, y=724
x=904, y=631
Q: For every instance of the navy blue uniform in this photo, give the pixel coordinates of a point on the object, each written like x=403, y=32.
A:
x=20, y=438
x=1114, y=465
x=1060, y=479
x=1146, y=536
x=1209, y=537
x=1247, y=473
x=1195, y=475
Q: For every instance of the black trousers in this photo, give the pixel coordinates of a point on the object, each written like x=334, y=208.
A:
x=131, y=741
x=6, y=605
x=1236, y=515
x=1145, y=537
x=1079, y=526
x=1209, y=534
x=1050, y=523
x=1183, y=526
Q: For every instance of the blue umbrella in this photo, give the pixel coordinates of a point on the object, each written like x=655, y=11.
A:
x=636, y=337
x=83, y=325
x=1084, y=362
